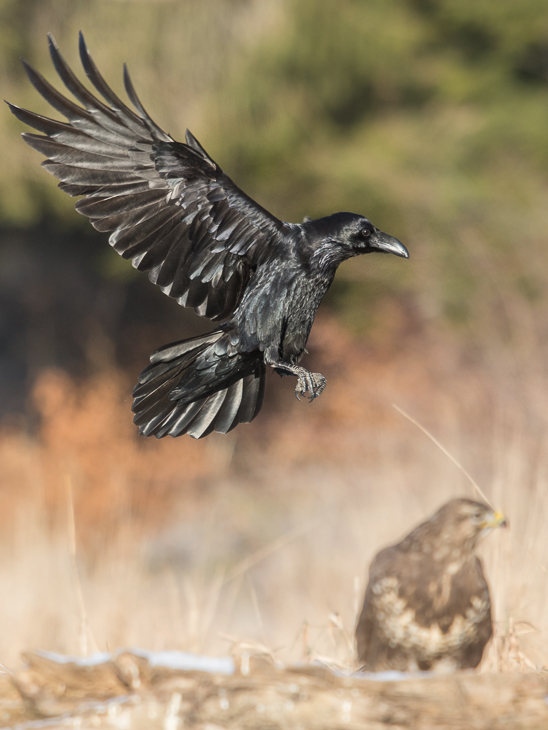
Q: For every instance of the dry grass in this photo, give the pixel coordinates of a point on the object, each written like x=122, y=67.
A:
x=263, y=537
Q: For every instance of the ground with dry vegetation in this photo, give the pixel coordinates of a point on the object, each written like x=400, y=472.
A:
x=265, y=535
x=259, y=543
x=130, y=691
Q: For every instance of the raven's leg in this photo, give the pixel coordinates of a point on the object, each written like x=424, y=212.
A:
x=313, y=383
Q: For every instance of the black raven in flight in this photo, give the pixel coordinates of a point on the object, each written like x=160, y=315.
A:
x=171, y=210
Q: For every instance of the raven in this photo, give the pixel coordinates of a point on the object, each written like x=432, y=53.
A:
x=171, y=210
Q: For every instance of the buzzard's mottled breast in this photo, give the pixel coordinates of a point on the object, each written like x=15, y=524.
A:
x=427, y=602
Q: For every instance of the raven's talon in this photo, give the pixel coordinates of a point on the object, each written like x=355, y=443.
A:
x=319, y=383
x=313, y=383
x=302, y=386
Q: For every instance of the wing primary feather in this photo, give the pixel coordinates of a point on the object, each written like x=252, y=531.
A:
x=193, y=142
x=74, y=85
x=100, y=192
x=130, y=90
x=85, y=176
x=93, y=74
x=54, y=98
x=43, y=124
x=93, y=124
x=104, y=115
x=118, y=204
x=71, y=156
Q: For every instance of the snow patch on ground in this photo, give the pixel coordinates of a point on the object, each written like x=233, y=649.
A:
x=188, y=662
x=92, y=660
x=168, y=659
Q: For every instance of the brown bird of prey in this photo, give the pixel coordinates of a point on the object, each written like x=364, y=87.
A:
x=427, y=604
x=170, y=208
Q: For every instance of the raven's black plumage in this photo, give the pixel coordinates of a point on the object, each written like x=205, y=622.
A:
x=174, y=213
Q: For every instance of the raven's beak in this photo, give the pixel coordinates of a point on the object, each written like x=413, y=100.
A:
x=388, y=244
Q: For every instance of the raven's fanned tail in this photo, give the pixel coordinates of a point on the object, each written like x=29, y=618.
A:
x=217, y=399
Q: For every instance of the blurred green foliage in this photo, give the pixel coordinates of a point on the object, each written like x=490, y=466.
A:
x=428, y=116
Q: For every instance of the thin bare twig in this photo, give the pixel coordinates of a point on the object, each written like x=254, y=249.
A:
x=442, y=448
x=467, y=475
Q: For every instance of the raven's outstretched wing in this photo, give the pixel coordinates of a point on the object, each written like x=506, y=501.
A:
x=169, y=206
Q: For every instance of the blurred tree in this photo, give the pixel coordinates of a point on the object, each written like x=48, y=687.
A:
x=429, y=116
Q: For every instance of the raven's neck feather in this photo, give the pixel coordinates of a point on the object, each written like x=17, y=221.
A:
x=328, y=256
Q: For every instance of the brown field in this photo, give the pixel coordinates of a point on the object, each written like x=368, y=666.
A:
x=264, y=536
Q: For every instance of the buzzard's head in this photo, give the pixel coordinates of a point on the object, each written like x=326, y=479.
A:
x=465, y=521
x=454, y=528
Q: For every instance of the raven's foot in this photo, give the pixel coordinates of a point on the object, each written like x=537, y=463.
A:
x=313, y=383
x=307, y=382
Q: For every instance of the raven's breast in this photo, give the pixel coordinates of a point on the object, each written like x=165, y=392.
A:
x=303, y=304
x=278, y=309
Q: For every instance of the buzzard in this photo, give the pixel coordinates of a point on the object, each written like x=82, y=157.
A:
x=427, y=604
x=170, y=208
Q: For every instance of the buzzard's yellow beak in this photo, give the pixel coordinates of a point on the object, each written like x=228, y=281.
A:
x=497, y=520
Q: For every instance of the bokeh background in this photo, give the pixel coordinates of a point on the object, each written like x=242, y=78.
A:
x=428, y=116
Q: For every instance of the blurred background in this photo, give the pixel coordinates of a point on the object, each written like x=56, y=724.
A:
x=428, y=116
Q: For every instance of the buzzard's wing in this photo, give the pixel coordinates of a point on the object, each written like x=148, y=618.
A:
x=380, y=609
x=168, y=206
x=478, y=605
x=365, y=629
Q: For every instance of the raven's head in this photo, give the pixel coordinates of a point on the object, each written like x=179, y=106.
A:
x=355, y=235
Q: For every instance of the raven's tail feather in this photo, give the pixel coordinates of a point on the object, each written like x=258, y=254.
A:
x=222, y=401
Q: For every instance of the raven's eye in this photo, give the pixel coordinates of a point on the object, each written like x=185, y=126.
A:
x=366, y=233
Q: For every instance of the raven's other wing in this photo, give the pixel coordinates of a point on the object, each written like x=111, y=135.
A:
x=170, y=208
